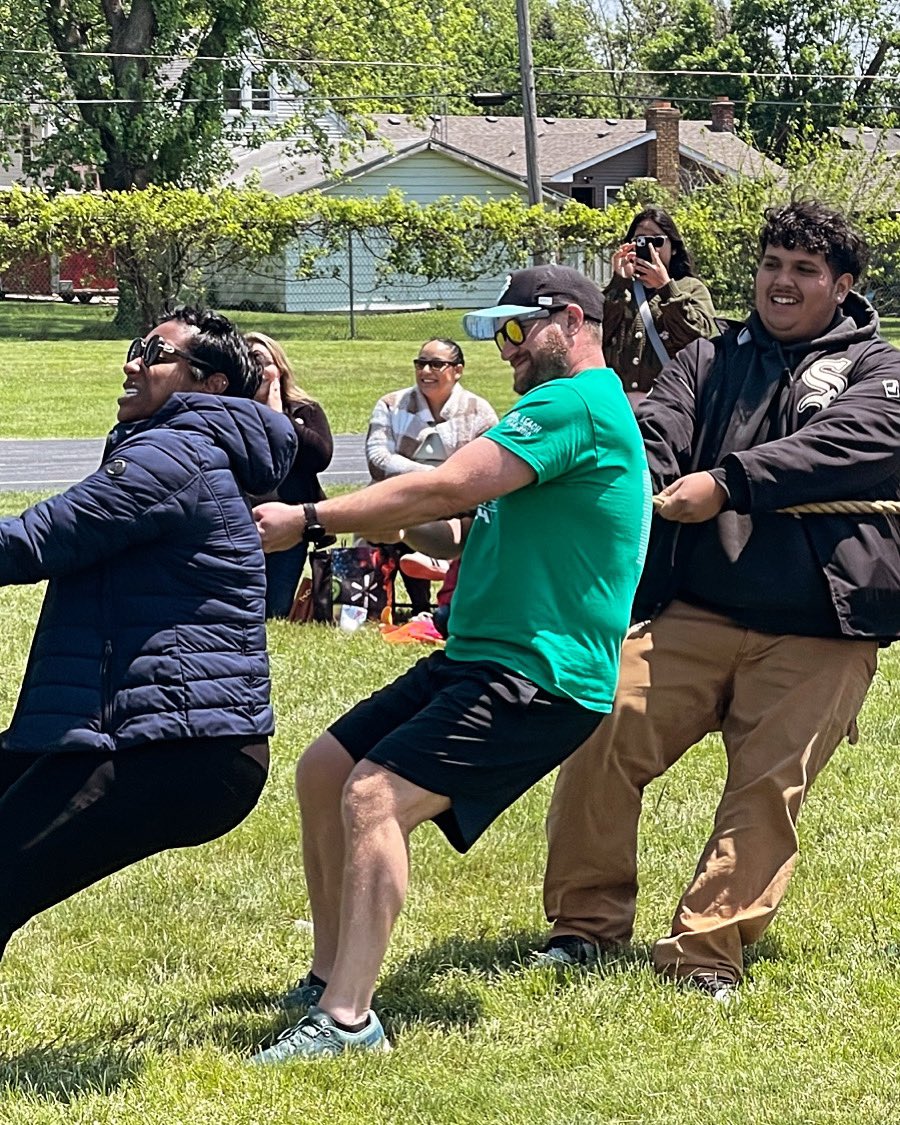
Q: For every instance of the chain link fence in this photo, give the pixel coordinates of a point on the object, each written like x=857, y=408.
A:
x=353, y=296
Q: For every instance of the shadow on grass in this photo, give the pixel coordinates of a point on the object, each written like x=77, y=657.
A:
x=430, y=988
x=55, y=321
x=65, y=1073
x=434, y=987
x=241, y=1021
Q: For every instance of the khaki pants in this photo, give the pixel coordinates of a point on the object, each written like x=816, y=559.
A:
x=782, y=703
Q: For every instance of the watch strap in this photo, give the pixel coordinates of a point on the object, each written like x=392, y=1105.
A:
x=313, y=532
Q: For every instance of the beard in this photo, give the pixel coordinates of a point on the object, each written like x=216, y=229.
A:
x=550, y=361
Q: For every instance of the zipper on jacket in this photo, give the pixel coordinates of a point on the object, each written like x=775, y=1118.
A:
x=108, y=625
x=105, y=701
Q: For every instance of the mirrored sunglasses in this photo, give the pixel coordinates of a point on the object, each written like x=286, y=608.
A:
x=157, y=350
x=514, y=330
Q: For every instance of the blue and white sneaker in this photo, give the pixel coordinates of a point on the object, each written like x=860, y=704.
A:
x=317, y=1036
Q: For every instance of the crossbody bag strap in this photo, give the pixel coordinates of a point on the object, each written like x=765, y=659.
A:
x=640, y=296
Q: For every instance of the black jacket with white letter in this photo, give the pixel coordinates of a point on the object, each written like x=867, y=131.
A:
x=780, y=425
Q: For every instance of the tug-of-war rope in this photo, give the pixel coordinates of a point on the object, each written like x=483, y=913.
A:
x=831, y=507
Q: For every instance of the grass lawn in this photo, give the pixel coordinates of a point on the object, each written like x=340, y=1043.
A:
x=61, y=365
x=138, y=1001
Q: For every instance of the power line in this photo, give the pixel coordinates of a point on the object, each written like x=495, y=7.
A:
x=246, y=57
x=699, y=99
x=273, y=98
x=564, y=71
x=561, y=71
x=435, y=97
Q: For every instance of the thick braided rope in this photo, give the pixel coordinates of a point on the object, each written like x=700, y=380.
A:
x=833, y=507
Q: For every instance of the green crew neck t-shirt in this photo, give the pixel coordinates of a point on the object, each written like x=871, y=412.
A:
x=549, y=572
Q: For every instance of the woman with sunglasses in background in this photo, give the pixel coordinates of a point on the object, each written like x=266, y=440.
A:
x=654, y=303
x=143, y=718
x=315, y=447
x=414, y=429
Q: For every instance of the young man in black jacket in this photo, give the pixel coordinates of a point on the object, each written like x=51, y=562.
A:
x=760, y=625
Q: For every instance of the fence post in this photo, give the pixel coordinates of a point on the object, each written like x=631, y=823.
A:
x=350, y=282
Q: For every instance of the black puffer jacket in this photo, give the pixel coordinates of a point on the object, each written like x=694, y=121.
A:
x=153, y=623
x=778, y=426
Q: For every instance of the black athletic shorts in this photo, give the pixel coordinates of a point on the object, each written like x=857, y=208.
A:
x=471, y=731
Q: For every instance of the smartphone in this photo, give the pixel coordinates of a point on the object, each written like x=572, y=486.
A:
x=642, y=247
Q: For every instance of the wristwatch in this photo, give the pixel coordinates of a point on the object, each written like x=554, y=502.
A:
x=313, y=532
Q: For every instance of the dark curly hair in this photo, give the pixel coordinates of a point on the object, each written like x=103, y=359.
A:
x=219, y=346
x=682, y=264
x=811, y=226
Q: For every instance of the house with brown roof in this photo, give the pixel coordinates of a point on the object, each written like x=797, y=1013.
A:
x=447, y=156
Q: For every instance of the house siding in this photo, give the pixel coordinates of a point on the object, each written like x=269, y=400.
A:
x=424, y=178
x=427, y=177
x=611, y=173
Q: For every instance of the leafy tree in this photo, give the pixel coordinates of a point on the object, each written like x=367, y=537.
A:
x=790, y=56
x=562, y=42
x=100, y=86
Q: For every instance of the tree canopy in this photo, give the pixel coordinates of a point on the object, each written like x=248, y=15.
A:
x=788, y=64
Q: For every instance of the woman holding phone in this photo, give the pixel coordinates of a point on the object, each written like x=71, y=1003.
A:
x=655, y=304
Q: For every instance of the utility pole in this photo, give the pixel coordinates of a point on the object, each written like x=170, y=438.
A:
x=529, y=104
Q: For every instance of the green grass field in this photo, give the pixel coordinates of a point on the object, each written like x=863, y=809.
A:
x=61, y=365
x=138, y=1001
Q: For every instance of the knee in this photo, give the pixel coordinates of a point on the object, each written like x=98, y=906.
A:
x=368, y=798
x=322, y=770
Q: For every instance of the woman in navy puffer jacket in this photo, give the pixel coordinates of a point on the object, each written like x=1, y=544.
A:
x=143, y=719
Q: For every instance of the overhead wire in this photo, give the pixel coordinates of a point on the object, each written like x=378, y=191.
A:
x=263, y=60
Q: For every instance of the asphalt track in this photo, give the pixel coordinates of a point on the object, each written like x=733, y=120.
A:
x=51, y=464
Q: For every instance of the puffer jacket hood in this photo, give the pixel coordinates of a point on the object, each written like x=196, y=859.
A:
x=252, y=435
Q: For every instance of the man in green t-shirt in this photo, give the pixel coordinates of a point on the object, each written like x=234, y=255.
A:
x=561, y=495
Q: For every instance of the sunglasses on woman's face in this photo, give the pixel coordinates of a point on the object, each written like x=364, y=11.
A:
x=157, y=350
x=657, y=240
x=514, y=330
x=421, y=363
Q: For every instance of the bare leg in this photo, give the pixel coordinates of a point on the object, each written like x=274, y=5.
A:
x=380, y=811
x=322, y=773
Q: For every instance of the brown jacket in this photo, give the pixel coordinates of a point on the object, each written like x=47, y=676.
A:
x=682, y=311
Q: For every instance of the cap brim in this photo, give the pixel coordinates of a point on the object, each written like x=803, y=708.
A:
x=481, y=324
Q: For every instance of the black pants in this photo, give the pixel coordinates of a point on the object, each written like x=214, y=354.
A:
x=418, y=590
x=68, y=819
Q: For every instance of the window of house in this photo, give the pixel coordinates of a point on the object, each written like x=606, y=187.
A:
x=260, y=94
x=231, y=93
x=610, y=192
x=583, y=195
x=27, y=142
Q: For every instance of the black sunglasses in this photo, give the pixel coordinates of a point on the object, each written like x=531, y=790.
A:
x=420, y=363
x=157, y=350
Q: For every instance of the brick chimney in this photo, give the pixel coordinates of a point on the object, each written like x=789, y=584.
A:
x=721, y=110
x=662, y=153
